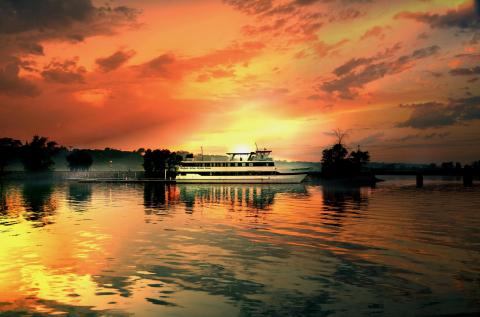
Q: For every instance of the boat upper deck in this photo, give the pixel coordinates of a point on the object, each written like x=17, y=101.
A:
x=225, y=163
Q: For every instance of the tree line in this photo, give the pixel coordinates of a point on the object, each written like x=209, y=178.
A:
x=37, y=155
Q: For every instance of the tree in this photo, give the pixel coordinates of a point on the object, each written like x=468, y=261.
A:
x=359, y=159
x=9, y=149
x=337, y=162
x=156, y=162
x=37, y=154
x=79, y=160
x=447, y=165
x=173, y=161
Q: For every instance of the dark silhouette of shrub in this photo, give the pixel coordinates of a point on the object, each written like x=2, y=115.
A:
x=9, y=150
x=337, y=162
x=37, y=154
x=156, y=162
x=79, y=160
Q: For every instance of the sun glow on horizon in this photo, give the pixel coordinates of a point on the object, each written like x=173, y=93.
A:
x=242, y=148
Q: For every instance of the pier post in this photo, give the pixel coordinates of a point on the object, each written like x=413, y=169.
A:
x=467, y=176
x=419, y=180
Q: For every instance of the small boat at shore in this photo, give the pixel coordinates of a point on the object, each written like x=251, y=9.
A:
x=250, y=167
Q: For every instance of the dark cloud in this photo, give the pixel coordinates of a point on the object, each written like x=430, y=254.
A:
x=250, y=6
x=251, y=30
x=26, y=24
x=344, y=2
x=465, y=71
x=305, y=2
x=436, y=114
x=114, y=61
x=422, y=36
x=346, y=15
x=32, y=21
x=466, y=17
x=375, y=32
x=283, y=9
x=23, y=15
x=323, y=49
x=419, y=136
x=159, y=66
x=66, y=72
x=355, y=73
x=425, y=52
x=351, y=65
x=356, y=62
x=13, y=85
x=371, y=139
x=314, y=97
x=216, y=64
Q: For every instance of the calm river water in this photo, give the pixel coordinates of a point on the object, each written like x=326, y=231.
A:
x=240, y=250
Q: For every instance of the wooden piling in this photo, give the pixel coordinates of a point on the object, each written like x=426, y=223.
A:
x=419, y=180
x=467, y=176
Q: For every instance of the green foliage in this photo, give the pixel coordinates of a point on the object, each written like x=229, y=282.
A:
x=156, y=162
x=37, y=154
x=79, y=160
x=9, y=150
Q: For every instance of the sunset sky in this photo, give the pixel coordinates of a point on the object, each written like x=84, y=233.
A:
x=401, y=77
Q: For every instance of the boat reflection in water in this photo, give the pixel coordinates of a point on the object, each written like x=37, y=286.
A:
x=234, y=196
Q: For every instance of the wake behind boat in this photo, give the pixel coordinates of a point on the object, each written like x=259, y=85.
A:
x=249, y=167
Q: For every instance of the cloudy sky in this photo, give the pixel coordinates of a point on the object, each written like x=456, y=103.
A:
x=401, y=77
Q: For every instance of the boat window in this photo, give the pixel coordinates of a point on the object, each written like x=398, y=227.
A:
x=250, y=164
x=244, y=164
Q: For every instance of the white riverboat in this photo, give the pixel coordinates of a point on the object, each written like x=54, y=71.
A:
x=250, y=167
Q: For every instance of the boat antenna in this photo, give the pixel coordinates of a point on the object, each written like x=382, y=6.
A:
x=256, y=145
x=201, y=148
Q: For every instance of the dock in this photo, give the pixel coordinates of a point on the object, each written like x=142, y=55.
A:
x=123, y=180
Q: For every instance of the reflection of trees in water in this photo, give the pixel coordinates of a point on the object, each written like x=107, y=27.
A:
x=38, y=201
x=3, y=200
x=78, y=195
x=158, y=196
x=338, y=200
x=10, y=200
x=254, y=196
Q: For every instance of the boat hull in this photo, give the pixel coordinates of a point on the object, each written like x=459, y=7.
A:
x=253, y=179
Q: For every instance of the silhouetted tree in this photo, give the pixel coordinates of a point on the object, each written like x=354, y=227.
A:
x=337, y=162
x=9, y=149
x=334, y=160
x=156, y=162
x=447, y=165
x=37, y=154
x=79, y=160
x=173, y=161
x=476, y=167
x=359, y=159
